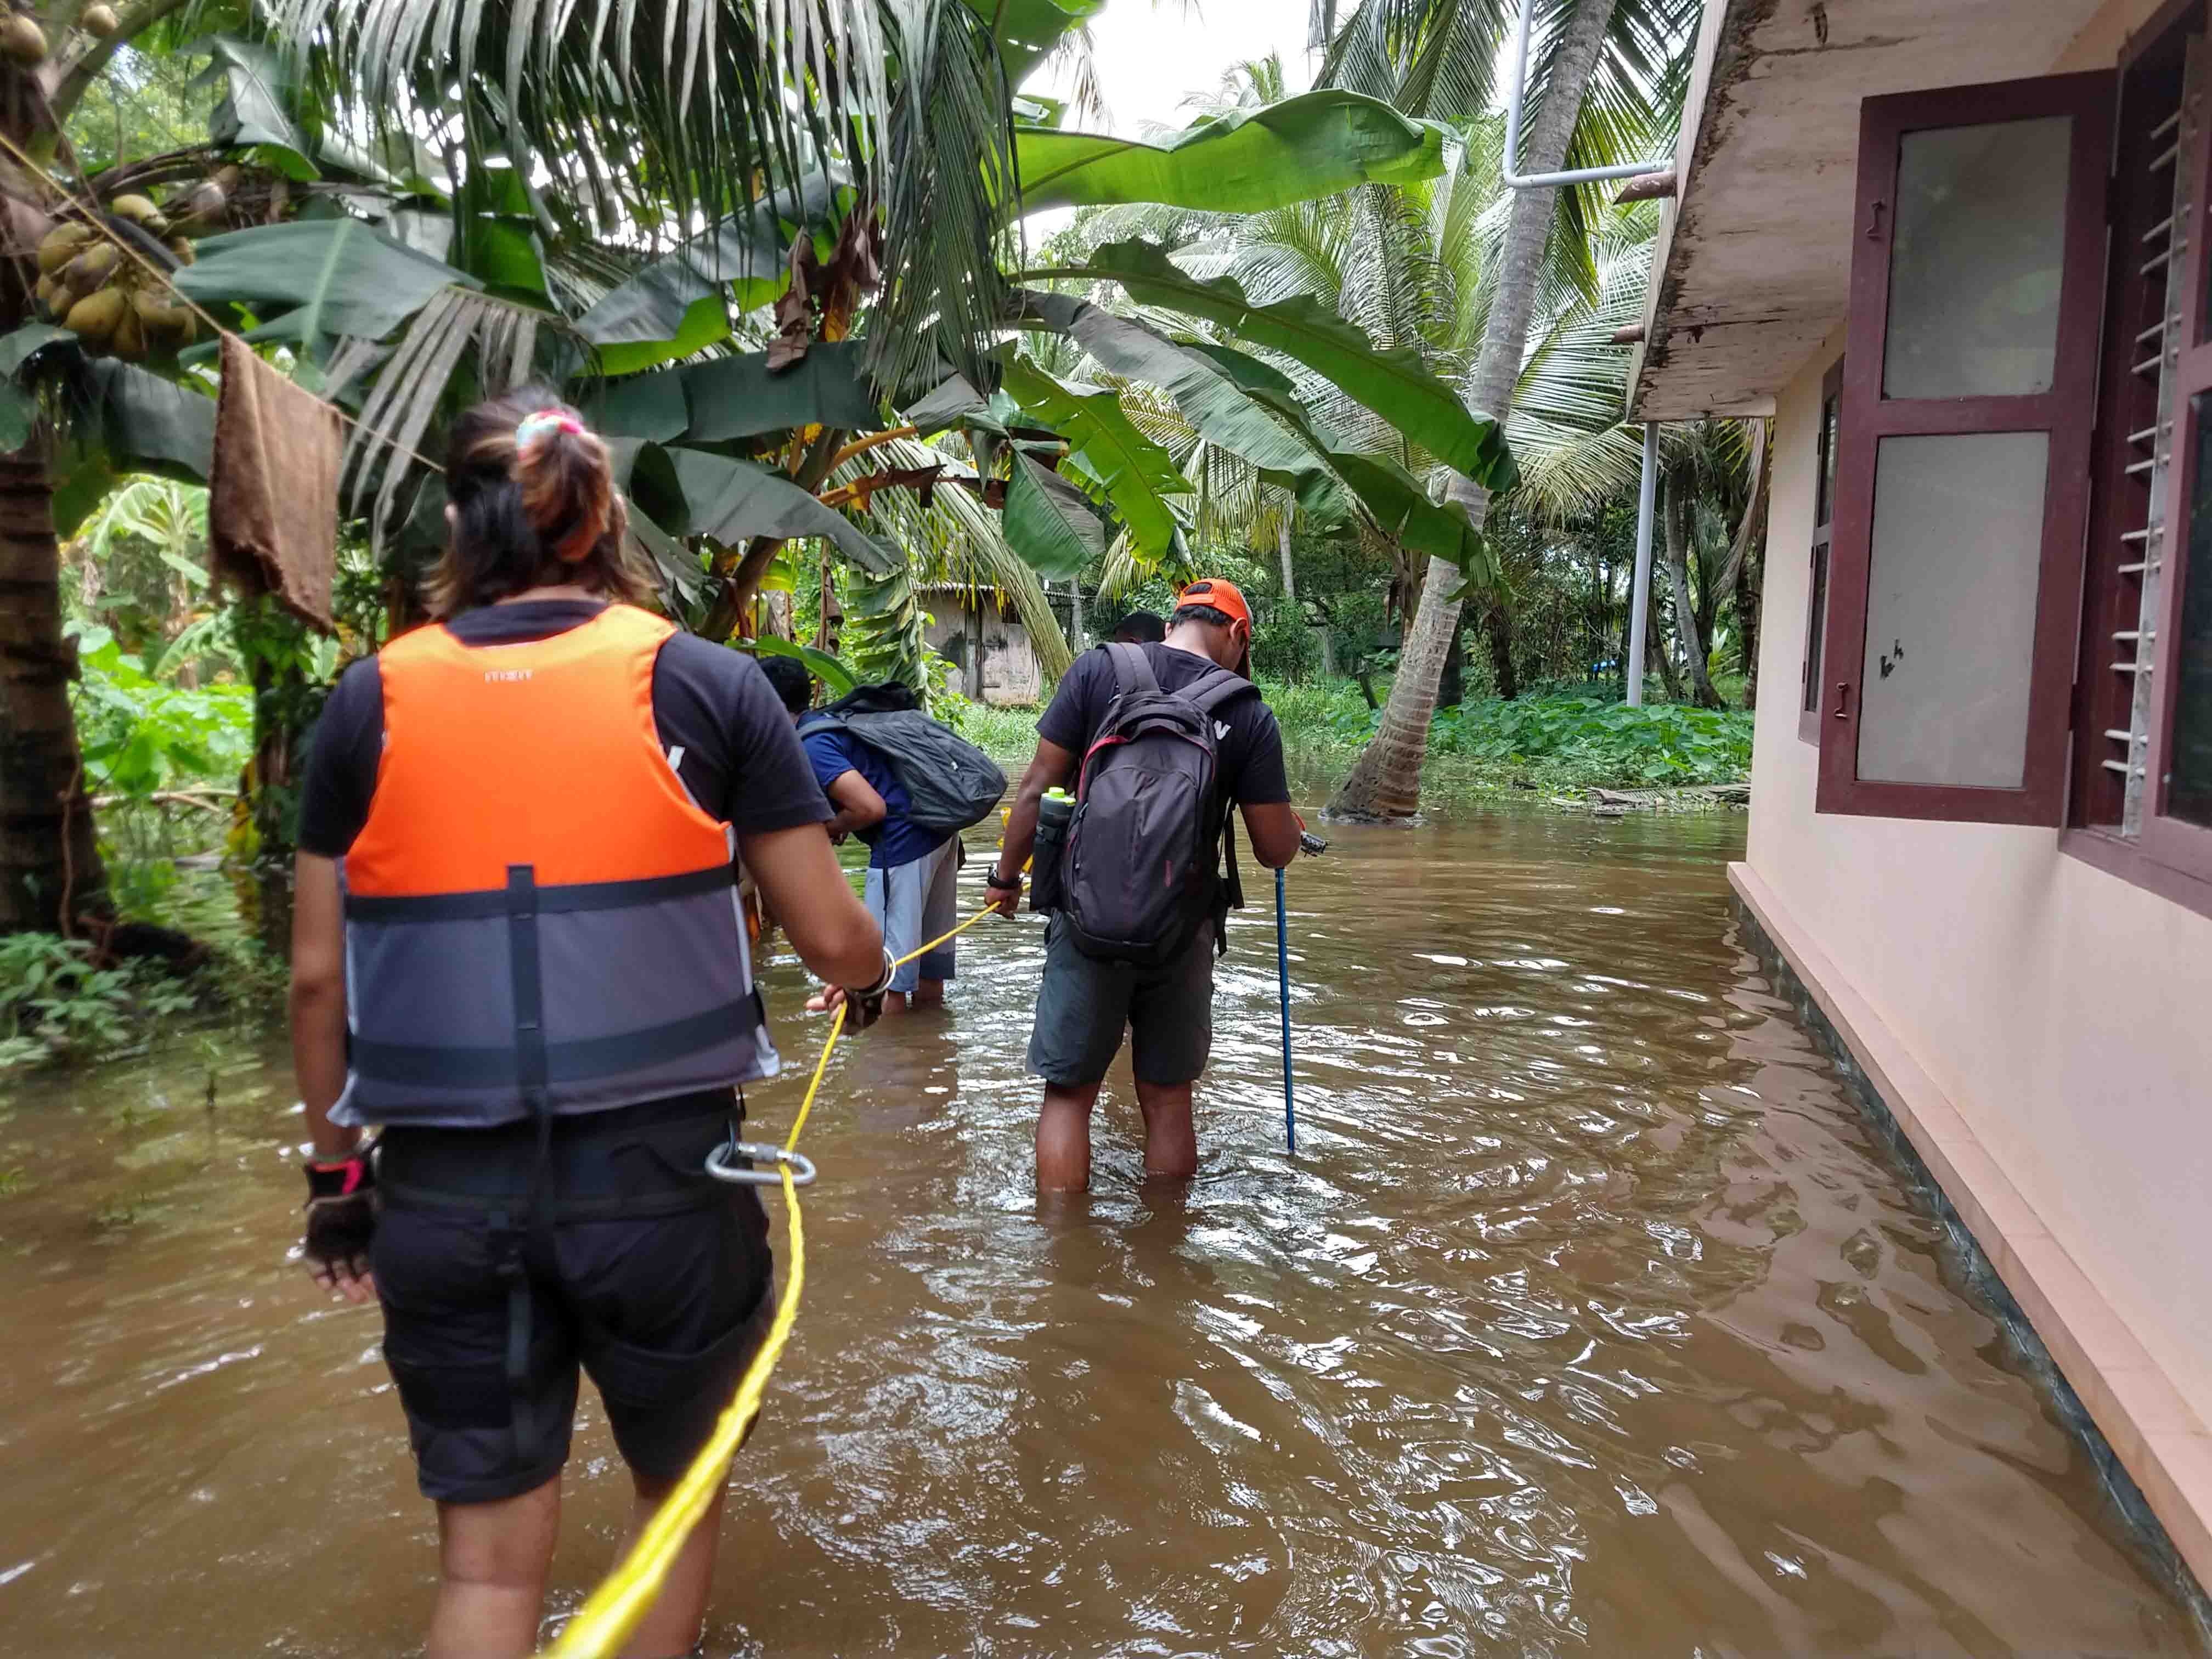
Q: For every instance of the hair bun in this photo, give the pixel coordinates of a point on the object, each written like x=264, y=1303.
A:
x=568, y=486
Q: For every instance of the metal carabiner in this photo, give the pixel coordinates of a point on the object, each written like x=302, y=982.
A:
x=720, y=1166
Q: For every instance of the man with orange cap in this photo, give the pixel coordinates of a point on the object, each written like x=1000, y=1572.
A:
x=1161, y=742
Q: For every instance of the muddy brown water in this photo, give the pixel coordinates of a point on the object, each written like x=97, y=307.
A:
x=1590, y=1318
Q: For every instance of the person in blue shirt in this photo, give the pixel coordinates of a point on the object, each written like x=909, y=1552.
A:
x=912, y=872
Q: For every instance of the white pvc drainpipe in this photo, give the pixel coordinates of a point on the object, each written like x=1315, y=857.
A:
x=1514, y=91
x=1640, y=590
x=1639, y=599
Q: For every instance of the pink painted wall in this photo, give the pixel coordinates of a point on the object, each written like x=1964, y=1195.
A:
x=2067, y=1013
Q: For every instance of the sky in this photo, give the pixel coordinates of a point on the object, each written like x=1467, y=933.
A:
x=1152, y=54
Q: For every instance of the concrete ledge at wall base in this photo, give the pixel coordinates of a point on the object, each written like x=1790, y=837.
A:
x=2154, y=1451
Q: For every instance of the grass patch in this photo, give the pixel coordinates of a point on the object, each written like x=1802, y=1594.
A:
x=1554, y=742
x=1008, y=736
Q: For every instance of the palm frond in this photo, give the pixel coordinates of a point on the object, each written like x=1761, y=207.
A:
x=952, y=135
x=461, y=346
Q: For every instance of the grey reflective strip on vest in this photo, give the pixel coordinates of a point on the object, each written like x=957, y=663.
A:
x=643, y=990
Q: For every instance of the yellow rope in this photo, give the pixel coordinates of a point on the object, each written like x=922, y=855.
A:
x=604, y=1622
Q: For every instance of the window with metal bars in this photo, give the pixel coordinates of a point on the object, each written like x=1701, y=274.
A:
x=2017, y=582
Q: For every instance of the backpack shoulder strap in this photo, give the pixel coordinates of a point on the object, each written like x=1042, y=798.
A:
x=820, y=720
x=1133, y=670
x=1215, y=687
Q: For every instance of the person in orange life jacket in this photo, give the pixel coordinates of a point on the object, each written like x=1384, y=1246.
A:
x=911, y=871
x=1083, y=1002
x=517, y=946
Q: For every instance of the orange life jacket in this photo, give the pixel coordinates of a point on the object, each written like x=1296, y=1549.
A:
x=539, y=916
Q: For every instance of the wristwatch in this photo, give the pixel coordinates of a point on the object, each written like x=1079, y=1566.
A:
x=998, y=884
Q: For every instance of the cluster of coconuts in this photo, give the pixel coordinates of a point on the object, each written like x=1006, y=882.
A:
x=23, y=39
x=114, y=304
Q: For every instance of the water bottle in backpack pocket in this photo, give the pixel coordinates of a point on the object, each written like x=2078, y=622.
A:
x=1055, y=813
x=1138, y=876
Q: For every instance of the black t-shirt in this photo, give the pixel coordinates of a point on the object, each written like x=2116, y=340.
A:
x=1250, y=752
x=741, y=759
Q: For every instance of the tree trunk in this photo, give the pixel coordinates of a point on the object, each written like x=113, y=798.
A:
x=1659, y=660
x=1746, y=568
x=1387, y=780
x=1748, y=597
x=1451, y=685
x=1677, y=516
x=1498, y=629
x=50, y=870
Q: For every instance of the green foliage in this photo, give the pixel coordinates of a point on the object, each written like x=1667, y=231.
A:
x=1050, y=522
x=836, y=677
x=1580, y=738
x=1244, y=160
x=55, y=1005
x=1136, y=473
x=140, y=734
x=1008, y=736
x=146, y=104
x=1396, y=384
x=884, y=629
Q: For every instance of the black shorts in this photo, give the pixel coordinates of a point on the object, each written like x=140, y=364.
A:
x=654, y=1277
x=1082, y=1004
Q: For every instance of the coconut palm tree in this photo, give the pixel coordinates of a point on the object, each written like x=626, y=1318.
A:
x=1414, y=266
x=1434, y=55
x=54, y=58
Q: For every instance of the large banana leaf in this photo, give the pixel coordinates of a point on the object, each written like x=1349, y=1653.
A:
x=253, y=110
x=650, y=406
x=1247, y=160
x=741, y=396
x=1403, y=510
x=681, y=304
x=124, y=419
x=1050, y=522
x=316, y=277
x=820, y=663
x=1028, y=31
x=1213, y=387
x=1396, y=384
x=1135, y=472
x=732, y=502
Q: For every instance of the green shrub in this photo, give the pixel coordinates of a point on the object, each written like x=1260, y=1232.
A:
x=1599, y=740
x=141, y=734
x=1573, y=737
x=54, y=1004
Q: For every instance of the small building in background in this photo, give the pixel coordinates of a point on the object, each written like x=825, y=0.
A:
x=978, y=632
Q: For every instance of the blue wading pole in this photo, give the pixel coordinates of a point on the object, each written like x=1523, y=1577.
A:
x=1283, y=964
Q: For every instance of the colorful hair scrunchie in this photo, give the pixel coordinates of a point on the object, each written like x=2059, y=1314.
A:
x=544, y=420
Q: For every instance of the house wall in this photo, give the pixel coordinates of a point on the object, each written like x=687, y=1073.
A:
x=1012, y=674
x=2064, y=1013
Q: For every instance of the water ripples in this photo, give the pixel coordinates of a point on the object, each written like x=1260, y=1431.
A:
x=1589, y=1319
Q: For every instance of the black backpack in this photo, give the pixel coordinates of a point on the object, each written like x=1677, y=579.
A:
x=949, y=783
x=1138, y=875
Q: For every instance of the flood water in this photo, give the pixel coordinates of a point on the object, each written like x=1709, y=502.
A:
x=1589, y=1319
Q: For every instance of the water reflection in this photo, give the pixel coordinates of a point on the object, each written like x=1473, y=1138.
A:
x=1588, y=1319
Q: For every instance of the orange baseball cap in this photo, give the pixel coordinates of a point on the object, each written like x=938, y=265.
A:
x=1222, y=596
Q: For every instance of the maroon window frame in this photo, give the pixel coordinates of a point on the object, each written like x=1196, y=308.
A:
x=2067, y=412
x=1816, y=587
